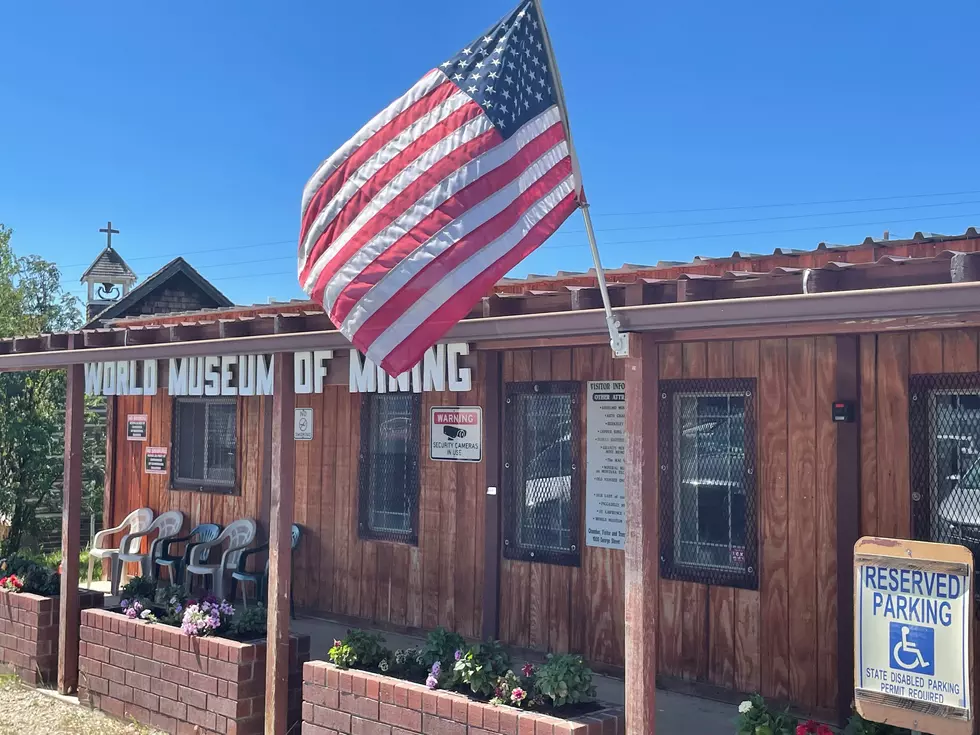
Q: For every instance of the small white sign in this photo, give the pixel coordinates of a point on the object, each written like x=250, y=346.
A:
x=912, y=627
x=456, y=433
x=303, y=424
x=605, y=476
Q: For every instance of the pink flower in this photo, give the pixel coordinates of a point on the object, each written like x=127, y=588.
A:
x=518, y=695
x=527, y=669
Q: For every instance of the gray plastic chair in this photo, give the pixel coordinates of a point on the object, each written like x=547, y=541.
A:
x=239, y=534
x=136, y=521
x=167, y=525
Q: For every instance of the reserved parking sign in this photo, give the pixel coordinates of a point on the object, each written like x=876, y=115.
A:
x=913, y=628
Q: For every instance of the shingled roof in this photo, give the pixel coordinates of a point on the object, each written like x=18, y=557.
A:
x=109, y=266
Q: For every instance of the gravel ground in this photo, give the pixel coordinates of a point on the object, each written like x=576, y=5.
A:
x=26, y=711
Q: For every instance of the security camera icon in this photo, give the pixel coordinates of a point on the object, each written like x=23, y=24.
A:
x=454, y=432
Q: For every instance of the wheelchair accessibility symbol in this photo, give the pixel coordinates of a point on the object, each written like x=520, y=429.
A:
x=912, y=648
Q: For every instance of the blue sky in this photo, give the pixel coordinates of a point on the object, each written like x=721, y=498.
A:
x=194, y=125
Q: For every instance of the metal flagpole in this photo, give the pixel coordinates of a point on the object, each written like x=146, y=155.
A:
x=617, y=340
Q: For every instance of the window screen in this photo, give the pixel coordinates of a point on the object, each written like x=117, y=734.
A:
x=707, y=488
x=205, y=444
x=389, y=466
x=541, y=474
x=944, y=442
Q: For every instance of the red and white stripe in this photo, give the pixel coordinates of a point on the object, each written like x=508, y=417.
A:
x=417, y=216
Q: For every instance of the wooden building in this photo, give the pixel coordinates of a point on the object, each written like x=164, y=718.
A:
x=776, y=408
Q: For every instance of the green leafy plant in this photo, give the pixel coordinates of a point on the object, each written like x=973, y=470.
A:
x=517, y=690
x=35, y=576
x=408, y=663
x=359, y=648
x=565, y=679
x=441, y=645
x=755, y=718
x=172, y=602
x=138, y=588
x=857, y=725
x=250, y=623
x=482, y=666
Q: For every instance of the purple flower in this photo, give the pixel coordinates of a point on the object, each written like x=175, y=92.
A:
x=459, y=655
x=432, y=682
x=436, y=668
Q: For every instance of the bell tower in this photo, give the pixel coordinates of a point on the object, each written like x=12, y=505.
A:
x=108, y=278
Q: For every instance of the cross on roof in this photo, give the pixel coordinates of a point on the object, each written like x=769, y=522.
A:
x=109, y=232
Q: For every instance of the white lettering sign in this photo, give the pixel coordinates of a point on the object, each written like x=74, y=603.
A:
x=456, y=433
x=913, y=627
x=605, y=473
x=252, y=375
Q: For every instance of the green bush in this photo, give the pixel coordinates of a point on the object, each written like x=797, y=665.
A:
x=565, y=679
x=172, y=601
x=755, y=718
x=857, y=725
x=408, y=663
x=441, y=645
x=37, y=577
x=138, y=588
x=482, y=666
x=359, y=648
x=250, y=623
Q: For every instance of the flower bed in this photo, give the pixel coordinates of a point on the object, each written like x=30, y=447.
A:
x=29, y=627
x=352, y=701
x=163, y=678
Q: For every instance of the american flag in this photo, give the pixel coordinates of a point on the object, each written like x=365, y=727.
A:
x=437, y=197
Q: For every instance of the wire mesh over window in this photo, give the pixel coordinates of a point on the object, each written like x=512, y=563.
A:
x=205, y=449
x=541, y=477
x=707, y=482
x=944, y=456
x=389, y=466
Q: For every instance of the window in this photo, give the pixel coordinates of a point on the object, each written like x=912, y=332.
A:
x=204, y=441
x=707, y=482
x=389, y=466
x=944, y=442
x=541, y=473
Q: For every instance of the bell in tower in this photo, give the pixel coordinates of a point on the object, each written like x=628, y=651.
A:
x=108, y=278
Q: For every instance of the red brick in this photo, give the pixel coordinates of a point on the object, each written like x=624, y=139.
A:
x=192, y=662
x=401, y=695
x=202, y=682
x=162, y=722
x=145, y=699
x=444, y=706
x=339, y=721
x=475, y=714
x=230, y=707
x=165, y=689
x=430, y=702
x=140, y=648
x=148, y=667
x=113, y=706
x=175, y=674
x=201, y=717
x=113, y=673
x=333, y=678
x=177, y=710
x=140, y=714
x=138, y=681
x=358, y=685
x=491, y=719
x=193, y=697
x=165, y=654
x=415, y=699
x=359, y=726
x=525, y=724
x=543, y=727
x=346, y=681
x=372, y=688
x=310, y=729
x=460, y=709
x=438, y=726
x=508, y=722
x=99, y=653
x=400, y=716
x=222, y=669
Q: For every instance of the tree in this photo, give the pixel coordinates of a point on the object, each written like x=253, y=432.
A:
x=32, y=301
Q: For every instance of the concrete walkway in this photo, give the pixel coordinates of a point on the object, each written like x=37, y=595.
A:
x=677, y=714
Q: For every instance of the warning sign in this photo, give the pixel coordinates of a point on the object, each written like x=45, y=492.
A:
x=136, y=427
x=155, y=461
x=456, y=433
x=913, y=612
x=303, y=424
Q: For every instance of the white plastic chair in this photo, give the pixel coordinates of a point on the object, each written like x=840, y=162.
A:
x=168, y=524
x=138, y=520
x=239, y=534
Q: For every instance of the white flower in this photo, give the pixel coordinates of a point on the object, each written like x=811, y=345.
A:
x=745, y=707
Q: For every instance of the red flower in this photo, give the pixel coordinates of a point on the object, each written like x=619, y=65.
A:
x=824, y=730
x=527, y=669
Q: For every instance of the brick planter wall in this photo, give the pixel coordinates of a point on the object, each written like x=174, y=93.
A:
x=176, y=683
x=359, y=703
x=29, y=627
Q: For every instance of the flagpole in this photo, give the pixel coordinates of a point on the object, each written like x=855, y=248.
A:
x=617, y=340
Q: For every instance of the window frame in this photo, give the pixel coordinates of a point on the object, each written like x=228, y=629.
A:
x=513, y=500
x=414, y=452
x=670, y=567
x=201, y=485
x=922, y=448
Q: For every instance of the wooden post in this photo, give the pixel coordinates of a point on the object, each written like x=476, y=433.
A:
x=848, y=517
x=642, y=533
x=280, y=520
x=71, y=521
x=492, y=416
